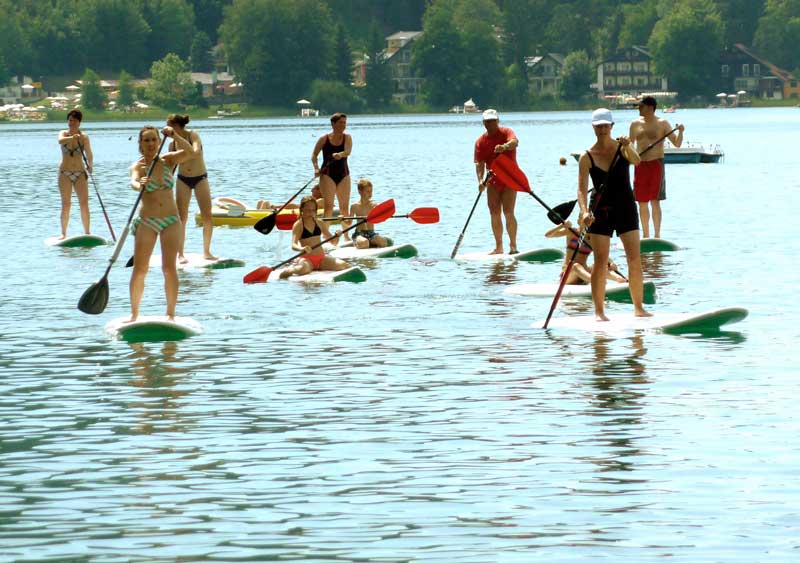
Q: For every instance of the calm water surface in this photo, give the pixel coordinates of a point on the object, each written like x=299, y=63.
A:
x=418, y=416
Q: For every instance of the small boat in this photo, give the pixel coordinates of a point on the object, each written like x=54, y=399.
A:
x=690, y=153
x=231, y=215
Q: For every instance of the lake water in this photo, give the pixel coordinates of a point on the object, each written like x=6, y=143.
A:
x=417, y=416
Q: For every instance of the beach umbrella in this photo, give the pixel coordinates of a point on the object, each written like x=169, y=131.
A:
x=27, y=86
x=722, y=95
x=72, y=88
x=303, y=102
x=741, y=92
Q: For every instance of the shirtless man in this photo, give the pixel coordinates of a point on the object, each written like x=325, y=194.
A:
x=649, y=174
x=365, y=235
x=501, y=199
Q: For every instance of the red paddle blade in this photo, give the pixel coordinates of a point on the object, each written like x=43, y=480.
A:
x=381, y=212
x=509, y=174
x=259, y=275
x=424, y=215
x=285, y=221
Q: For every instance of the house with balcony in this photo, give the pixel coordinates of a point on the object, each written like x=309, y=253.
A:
x=406, y=86
x=742, y=69
x=629, y=72
x=544, y=73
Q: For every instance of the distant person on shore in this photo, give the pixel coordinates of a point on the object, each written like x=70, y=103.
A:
x=334, y=175
x=72, y=174
x=649, y=184
x=610, y=209
x=364, y=235
x=158, y=214
x=192, y=177
x=501, y=200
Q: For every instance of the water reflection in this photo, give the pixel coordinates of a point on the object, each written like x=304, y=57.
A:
x=157, y=374
x=503, y=272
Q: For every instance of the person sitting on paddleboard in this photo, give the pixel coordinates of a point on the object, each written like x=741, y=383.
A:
x=581, y=271
x=307, y=232
x=612, y=208
x=364, y=235
x=72, y=174
x=158, y=216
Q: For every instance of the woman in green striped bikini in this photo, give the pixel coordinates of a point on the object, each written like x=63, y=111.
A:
x=158, y=217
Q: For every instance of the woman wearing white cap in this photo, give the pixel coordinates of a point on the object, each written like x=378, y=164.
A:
x=612, y=208
x=501, y=199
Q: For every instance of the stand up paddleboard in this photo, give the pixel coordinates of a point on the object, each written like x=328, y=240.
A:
x=654, y=245
x=536, y=255
x=614, y=291
x=76, y=241
x=353, y=274
x=395, y=251
x=153, y=329
x=199, y=261
x=707, y=322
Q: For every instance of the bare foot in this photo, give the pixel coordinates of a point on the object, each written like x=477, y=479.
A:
x=640, y=312
x=498, y=250
x=210, y=257
x=182, y=259
x=170, y=317
x=601, y=317
x=131, y=320
x=513, y=250
x=62, y=237
x=285, y=274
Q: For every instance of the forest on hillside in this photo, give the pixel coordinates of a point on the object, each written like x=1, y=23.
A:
x=280, y=49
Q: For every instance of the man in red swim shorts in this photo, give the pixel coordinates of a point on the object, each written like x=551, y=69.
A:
x=501, y=200
x=648, y=181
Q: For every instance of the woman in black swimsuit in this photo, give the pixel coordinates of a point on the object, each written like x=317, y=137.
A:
x=611, y=209
x=72, y=172
x=192, y=176
x=334, y=175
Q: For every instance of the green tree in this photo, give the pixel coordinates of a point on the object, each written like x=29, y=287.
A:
x=684, y=45
x=14, y=42
x=459, y=52
x=524, y=22
x=171, y=27
x=378, y=89
x=332, y=95
x=278, y=46
x=5, y=75
x=638, y=22
x=514, y=91
x=101, y=22
x=125, y=96
x=343, y=56
x=170, y=82
x=208, y=16
x=741, y=19
x=576, y=76
x=201, y=60
x=777, y=37
x=92, y=94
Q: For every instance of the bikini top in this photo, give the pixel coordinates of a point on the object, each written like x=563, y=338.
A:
x=584, y=249
x=70, y=150
x=307, y=234
x=168, y=184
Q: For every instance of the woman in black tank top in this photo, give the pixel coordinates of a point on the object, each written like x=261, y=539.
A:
x=334, y=174
x=612, y=208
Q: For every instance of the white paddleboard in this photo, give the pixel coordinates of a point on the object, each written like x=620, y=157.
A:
x=198, y=261
x=353, y=274
x=76, y=241
x=396, y=251
x=673, y=323
x=614, y=290
x=153, y=329
x=653, y=245
x=535, y=255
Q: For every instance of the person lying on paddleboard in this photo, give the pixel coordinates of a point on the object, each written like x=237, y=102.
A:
x=611, y=208
x=158, y=215
x=581, y=271
x=365, y=236
x=307, y=232
x=316, y=193
x=72, y=174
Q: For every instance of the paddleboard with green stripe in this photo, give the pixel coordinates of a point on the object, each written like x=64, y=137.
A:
x=76, y=241
x=614, y=291
x=353, y=274
x=705, y=323
x=153, y=329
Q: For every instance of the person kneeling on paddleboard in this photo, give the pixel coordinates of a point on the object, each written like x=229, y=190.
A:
x=613, y=208
x=365, y=235
x=581, y=271
x=307, y=232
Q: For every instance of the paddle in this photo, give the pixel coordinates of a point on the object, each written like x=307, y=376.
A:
x=94, y=300
x=565, y=209
x=565, y=273
x=266, y=224
x=474, y=205
x=100, y=199
x=421, y=215
x=379, y=214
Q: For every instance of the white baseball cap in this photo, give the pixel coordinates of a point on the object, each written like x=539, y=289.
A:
x=602, y=116
x=490, y=114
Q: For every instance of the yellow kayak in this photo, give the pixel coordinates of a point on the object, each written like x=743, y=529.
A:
x=238, y=217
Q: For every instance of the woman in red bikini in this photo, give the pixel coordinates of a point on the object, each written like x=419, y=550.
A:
x=192, y=176
x=581, y=271
x=334, y=175
x=72, y=172
x=307, y=232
